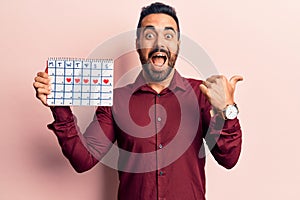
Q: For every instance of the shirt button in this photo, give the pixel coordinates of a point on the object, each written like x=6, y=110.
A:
x=158, y=95
x=160, y=146
x=159, y=119
x=161, y=173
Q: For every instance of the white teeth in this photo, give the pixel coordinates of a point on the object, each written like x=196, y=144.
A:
x=158, y=54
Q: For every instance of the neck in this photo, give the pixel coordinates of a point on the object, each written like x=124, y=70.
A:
x=159, y=86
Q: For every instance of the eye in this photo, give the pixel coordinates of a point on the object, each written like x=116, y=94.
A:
x=168, y=36
x=149, y=36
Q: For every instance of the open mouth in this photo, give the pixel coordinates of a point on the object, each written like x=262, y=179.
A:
x=158, y=59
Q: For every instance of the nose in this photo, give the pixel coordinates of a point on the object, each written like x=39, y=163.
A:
x=160, y=43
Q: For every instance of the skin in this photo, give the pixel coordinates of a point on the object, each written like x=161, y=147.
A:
x=159, y=31
x=219, y=90
x=42, y=86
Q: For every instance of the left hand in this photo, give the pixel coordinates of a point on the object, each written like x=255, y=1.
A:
x=220, y=91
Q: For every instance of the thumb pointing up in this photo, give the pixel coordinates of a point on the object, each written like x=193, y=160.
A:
x=234, y=79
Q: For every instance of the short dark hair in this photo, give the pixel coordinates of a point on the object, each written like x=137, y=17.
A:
x=156, y=8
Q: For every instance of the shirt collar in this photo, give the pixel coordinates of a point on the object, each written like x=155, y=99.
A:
x=177, y=82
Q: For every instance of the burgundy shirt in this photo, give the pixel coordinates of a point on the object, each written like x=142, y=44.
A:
x=159, y=139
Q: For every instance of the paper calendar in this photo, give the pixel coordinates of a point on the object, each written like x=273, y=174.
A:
x=80, y=82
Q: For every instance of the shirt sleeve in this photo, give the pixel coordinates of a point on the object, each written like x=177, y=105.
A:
x=83, y=150
x=223, y=137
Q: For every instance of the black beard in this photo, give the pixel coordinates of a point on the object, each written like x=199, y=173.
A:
x=157, y=76
x=162, y=75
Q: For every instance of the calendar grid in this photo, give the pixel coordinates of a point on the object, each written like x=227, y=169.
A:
x=80, y=82
x=101, y=79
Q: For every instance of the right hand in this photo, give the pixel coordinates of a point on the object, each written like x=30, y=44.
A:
x=42, y=86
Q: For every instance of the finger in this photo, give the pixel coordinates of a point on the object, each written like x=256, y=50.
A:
x=234, y=79
x=204, y=89
x=207, y=84
x=43, y=74
x=214, y=78
x=42, y=92
x=45, y=81
x=37, y=85
x=43, y=99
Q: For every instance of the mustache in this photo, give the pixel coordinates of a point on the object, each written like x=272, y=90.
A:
x=159, y=50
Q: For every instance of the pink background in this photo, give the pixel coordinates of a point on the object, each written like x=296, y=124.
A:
x=258, y=39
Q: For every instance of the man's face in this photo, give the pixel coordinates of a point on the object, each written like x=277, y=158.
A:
x=158, y=46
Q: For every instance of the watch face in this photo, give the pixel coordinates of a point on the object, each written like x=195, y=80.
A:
x=231, y=112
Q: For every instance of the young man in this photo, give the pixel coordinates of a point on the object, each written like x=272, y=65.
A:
x=159, y=121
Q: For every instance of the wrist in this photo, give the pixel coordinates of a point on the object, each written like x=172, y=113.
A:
x=61, y=113
x=230, y=111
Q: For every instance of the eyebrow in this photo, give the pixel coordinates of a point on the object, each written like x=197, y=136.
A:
x=170, y=28
x=149, y=27
x=153, y=28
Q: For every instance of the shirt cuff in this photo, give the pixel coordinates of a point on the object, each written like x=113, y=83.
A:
x=228, y=125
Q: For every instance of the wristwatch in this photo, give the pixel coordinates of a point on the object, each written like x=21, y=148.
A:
x=230, y=111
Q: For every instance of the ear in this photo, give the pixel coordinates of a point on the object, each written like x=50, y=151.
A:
x=137, y=44
x=178, y=45
x=179, y=42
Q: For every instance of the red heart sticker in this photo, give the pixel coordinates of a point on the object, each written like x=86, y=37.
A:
x=85, y=80
x=68, y=79
x=95, y=81
x=77, y=80
x=105, y=81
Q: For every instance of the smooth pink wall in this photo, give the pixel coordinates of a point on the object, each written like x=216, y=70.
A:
x=257, y=39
